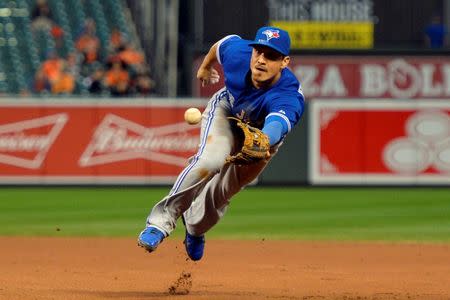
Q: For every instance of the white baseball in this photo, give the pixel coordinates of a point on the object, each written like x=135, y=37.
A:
x=192, y=115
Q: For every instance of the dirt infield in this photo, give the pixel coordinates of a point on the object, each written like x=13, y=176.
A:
x=101, y=268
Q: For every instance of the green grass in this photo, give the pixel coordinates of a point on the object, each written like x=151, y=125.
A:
x=358, y=214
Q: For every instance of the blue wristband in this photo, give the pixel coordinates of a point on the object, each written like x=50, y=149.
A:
x=274, y=130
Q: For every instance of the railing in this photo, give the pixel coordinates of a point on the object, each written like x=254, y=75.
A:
x=157, y=25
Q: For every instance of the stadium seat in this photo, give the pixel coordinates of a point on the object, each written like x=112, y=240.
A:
x=27, y=47
x=95, y=11
x=61, y=19
x=116, y=18
x=24, y=49
x=76, y=16
x=14, y=69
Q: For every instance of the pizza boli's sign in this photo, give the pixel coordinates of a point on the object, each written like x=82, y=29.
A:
x=373, y=77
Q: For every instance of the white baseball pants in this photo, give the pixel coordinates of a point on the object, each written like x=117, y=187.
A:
x=204, y=188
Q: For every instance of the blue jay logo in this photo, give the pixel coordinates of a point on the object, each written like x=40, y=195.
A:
x=271, y=34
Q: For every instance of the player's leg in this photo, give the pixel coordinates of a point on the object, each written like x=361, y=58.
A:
x=216, y=141
x=211, y=204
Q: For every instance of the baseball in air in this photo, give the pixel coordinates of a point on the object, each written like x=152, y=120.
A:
x=192, y=115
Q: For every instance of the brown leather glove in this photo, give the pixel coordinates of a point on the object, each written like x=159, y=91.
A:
x=255, y=146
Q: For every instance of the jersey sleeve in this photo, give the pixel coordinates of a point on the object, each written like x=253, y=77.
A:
x=287, y=109
x=225, y=46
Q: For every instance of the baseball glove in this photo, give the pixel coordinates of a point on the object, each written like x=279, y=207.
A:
x=255, y=145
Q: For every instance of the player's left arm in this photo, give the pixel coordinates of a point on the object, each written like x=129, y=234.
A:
x=274, y=129
x=283, y=116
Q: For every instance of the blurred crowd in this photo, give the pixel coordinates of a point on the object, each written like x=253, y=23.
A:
x=122, y=72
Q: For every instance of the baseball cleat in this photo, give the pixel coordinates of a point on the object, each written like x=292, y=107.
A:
x=150, y=238
x=194, y=246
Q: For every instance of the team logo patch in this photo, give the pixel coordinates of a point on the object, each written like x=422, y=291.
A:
x=271, y=34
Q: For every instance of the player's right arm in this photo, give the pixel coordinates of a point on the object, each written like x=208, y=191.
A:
x=206, y=73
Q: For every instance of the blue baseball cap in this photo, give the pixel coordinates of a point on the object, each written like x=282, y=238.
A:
x=273, y=37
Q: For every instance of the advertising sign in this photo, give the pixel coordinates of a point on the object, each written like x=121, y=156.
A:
x=328, y=35
x=377, y=77
x=336, y=24
x=379, y=142
x=373, y=77
x=95, y=142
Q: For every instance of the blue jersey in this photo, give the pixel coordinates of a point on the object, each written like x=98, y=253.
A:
x=284, y=99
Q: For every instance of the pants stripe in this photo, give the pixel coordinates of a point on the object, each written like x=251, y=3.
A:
x=201, y=148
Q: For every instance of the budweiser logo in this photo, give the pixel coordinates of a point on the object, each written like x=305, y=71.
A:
x=118, y=139
x=23, y=144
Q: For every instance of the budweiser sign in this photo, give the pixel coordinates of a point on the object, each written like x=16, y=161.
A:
x=26, y=143
x=126, y=142
x=387, y=142
x=118, y=139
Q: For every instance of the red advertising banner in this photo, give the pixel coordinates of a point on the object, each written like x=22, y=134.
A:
x=95, y=142
x=364, y=77
x=380, y=142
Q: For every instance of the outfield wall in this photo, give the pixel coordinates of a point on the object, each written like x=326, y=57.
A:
x=338, y=142
x=78, y=141
x=388, y=142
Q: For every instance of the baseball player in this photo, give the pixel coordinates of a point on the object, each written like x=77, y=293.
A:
x=242, y=127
